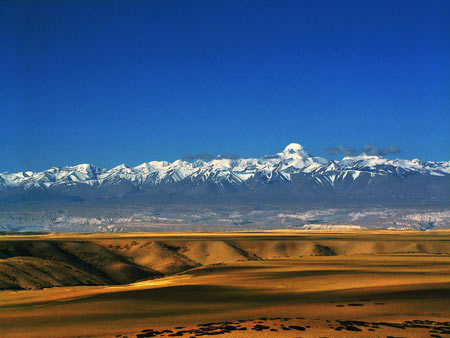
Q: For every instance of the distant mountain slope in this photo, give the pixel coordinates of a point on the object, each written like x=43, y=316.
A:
x=289, y=175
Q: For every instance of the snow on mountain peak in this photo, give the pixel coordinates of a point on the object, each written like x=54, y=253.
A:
x=364, y=160
x=120, y=167
x=292, y=160
x=84, y=168
x=293, y=147
x=361, y=157
x=294, y=150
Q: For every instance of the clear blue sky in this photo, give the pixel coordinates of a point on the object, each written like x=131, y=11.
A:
x=110, y=82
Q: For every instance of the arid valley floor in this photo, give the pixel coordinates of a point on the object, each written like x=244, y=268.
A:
x=243, y=284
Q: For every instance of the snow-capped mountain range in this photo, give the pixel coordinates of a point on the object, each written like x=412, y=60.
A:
x=293, y=171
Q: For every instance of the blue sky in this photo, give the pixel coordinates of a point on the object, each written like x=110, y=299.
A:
x=110, y=82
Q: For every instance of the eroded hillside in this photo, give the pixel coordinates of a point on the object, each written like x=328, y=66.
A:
x=28, y=262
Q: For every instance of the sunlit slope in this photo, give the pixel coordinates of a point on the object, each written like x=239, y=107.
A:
x=317, y=288
x=95, y=259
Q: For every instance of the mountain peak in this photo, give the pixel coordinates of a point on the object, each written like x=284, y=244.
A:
x=293, y=147
x=120, y=167
x=362, y=156
x=294, y=150
x=293, y=160
x=84, y=168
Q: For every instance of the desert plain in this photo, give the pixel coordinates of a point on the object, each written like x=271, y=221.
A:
x=280, y=283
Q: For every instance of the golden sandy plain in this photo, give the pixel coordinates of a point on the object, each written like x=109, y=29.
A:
x=243, y=284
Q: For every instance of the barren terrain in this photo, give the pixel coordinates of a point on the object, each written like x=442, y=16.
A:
x=243, y=284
